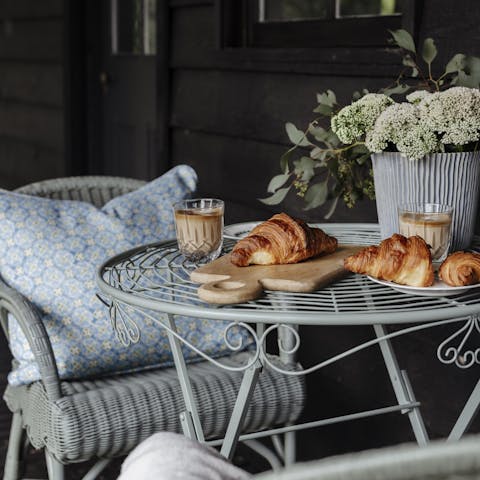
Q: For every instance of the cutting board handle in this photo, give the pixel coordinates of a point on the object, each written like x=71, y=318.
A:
x=230, y=291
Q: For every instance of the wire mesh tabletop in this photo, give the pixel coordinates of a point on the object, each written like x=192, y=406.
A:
x=156, y=277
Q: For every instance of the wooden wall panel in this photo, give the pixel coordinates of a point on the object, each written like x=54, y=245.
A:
x=31, y=91
x=23, y=162
x=251, y=105
x=33, y=83
x=31, y=40
x=31, y=8
x=453, y=25
x=42, y=126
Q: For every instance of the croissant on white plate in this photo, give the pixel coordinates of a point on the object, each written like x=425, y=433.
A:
x=406, y=261
x=460, y=269
x=281, y=240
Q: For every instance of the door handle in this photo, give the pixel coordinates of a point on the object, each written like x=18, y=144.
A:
x=105, y=80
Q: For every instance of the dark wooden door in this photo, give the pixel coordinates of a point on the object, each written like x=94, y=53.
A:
x=127, y=80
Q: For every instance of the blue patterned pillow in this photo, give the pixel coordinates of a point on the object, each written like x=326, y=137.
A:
x=50, y=251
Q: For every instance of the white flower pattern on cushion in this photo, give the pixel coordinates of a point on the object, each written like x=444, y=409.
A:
x=50, y=252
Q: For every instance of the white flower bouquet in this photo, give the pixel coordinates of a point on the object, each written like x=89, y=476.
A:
x=438, y=115
x=437, y=122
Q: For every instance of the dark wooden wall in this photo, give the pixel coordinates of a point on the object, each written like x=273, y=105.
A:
x=31, y=91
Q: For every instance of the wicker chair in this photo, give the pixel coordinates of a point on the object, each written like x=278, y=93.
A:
x=101, y=418
x=436, y=461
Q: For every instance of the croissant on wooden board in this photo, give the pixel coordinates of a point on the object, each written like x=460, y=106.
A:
x=460, y=268
x=398, y=259
x=279, y=240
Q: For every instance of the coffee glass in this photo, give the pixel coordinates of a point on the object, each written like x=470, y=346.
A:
x=199, y=228
x=432, y=222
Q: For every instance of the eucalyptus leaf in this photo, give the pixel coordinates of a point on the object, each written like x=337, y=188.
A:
x=284, y=159
x=316, y=129
x=456, y=63
x=332, y=139
x=408, y=61
x=304, y=168
x=465, y=80
x=327, y=98
x=473, y=66
x=277, y=181
x=296, y=136
x=396, y=90
x=323, y=109
x=332, y=208
x=319, y=133
x=277, y=197
x=429, y=50
x=318, y=153
x=403, y=39
x=316, y=195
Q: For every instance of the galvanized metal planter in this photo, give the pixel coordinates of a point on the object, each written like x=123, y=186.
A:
x=447, y=178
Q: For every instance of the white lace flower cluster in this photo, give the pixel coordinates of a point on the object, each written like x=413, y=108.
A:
x=402, y=125
x=356, y=119
x=426, y=124
x=453, y=114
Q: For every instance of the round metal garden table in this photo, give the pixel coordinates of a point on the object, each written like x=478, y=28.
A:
x=154, y=280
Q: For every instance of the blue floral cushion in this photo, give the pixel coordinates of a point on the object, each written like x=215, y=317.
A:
x=50, y=252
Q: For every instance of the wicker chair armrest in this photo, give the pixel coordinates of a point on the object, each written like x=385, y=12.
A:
x=32, y=326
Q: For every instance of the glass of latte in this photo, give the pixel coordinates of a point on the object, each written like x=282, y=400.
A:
x=432, y=222
x=199, y=228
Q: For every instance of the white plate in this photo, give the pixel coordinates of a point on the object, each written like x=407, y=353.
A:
x=438, y=289
x=239, y=230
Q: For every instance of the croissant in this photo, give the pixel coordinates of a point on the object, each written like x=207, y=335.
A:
x=281, y=239
x=460, y=268
x=398, y=259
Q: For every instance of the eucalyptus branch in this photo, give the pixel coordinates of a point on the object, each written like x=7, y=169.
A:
x=338, y=164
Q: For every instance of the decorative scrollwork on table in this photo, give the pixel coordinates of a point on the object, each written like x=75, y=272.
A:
x=453, y=350
x=126, y=330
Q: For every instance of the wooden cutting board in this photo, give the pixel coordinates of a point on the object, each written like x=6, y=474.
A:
x=225, y=283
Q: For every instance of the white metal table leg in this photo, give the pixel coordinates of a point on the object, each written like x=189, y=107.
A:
x=290, y=448
x=189, y=419
x=468, y=414
x=288, y=355
x=249, y=381
x=401, y=386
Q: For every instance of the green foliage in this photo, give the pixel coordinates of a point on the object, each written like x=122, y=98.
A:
x=404, y=40
x=327, y=169
x=429, y=51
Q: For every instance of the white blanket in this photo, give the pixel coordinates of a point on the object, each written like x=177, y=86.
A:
x=170, y=456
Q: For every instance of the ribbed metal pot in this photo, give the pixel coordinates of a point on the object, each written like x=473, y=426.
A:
x=446, y=178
